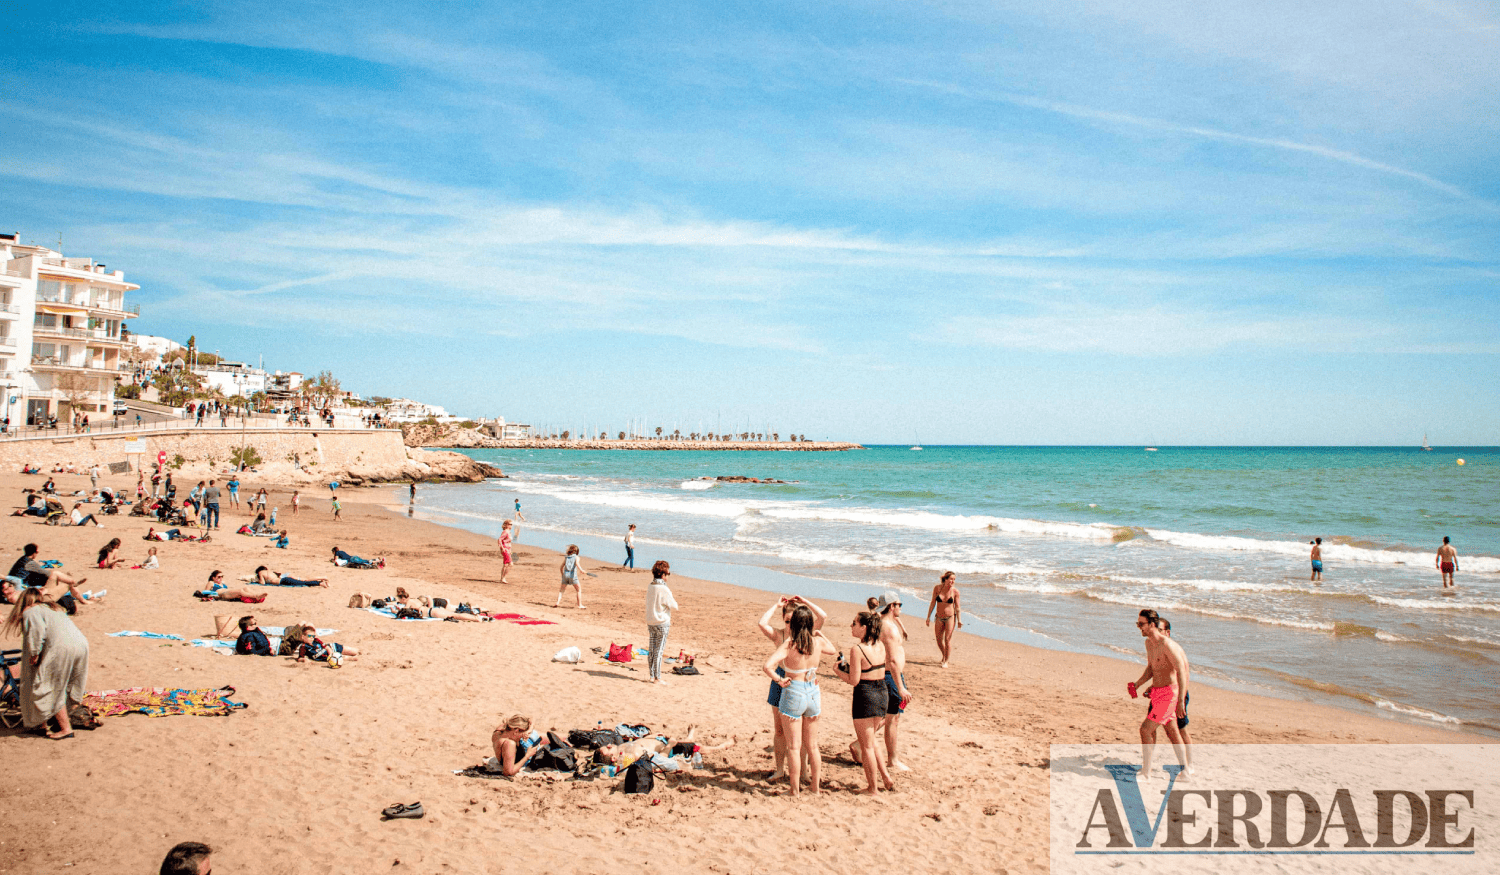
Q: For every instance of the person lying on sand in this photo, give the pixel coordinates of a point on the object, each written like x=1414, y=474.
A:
x=662, y=752
x=218, y=590
x=28, y=569
x=345, y=560
x=317, y=650
x=266, y=576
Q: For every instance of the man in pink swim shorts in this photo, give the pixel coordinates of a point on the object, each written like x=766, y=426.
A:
x=1169, y=679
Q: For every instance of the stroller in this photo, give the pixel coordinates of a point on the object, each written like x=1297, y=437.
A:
x=10, y=689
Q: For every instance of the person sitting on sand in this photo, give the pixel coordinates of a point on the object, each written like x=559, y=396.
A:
x=27, y=568
x=260, y=526
x=282, y=541
x=151, y=561
x=661, y=751
x=346, y=560
x=36, y=505
x=188, y=858
x=252, y=641
x=109, y=554
x=49, y=486
x=267, y=577
x=514, y=742
x=79, y=518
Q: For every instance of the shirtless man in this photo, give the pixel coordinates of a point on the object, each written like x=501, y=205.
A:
x=893, y=636
x=1169, y=677
x=1317, y=560
x=1447, y=562
x=1187, y=694
x=661, y=751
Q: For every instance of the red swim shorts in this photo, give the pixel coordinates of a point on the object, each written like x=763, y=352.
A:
x=1163, y=704
x=1447, y=567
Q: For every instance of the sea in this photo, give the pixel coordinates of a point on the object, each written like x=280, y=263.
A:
x=1059, y=547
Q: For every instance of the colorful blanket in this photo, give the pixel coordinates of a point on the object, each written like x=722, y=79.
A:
x=128, y=634
x=522, y=620
x=163, y=702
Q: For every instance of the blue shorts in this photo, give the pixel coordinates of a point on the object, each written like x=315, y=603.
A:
x=774, y=697
x=893, y=704
x=801, y=699
x=1317, y=565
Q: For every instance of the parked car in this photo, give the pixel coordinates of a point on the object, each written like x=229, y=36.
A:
x=120, y=408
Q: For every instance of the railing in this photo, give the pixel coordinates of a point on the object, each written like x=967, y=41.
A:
x=8, y=272
x=7, y=342
x=102, y=423
x=10, y=308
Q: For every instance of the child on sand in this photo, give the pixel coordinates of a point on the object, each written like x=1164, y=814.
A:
x=296, y=502
x=505, y=560
x=570, y=569
x=336, y=508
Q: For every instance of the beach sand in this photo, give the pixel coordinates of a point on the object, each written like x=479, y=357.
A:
x=295, y=783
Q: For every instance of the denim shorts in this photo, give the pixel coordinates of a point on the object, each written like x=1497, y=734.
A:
x=801, y=699
x=894, y=705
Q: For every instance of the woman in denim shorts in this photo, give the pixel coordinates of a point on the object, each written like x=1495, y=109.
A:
x=801, y=700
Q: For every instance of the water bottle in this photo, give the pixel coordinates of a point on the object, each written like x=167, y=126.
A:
x=697, y=759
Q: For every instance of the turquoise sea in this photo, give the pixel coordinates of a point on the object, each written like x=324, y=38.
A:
x=1060, y=546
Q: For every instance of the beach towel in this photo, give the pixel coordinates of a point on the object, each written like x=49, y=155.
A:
x=163, y=702
x=128, y=634
x=534, y=623
x=392, y=615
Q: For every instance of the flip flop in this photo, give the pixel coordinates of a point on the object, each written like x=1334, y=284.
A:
x=413, y=810
x=62, y=737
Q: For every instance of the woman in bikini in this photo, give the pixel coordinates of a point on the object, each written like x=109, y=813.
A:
x=801, y=700
x=785, y=604
x=267, y=577
x=945, y=599
x=865, y=671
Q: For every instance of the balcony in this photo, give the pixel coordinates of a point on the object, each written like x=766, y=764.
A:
x=9, y=310
x=7, y=343
x=82, y=303
x=89, y=334
x=52, y=362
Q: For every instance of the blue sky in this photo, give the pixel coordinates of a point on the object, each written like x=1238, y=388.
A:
x=1270, y=223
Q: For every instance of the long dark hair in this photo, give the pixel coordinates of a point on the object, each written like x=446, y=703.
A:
x=871, y=621
x=801, y=626
x=104, y=551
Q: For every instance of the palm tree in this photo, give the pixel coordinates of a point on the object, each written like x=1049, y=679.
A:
x=658, y=431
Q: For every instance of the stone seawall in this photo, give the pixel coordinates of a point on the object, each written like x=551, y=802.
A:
x=287, y=455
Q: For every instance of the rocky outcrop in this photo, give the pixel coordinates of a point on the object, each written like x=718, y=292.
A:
x=449, y=436
x=735, y=478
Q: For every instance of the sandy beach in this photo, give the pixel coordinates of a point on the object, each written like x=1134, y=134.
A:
x=296, y=782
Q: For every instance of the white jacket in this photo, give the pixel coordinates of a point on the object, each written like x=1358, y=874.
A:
x=659, y=603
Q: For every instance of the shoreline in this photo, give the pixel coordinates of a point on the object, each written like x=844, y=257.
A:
x=715, y=446
x=422, y=698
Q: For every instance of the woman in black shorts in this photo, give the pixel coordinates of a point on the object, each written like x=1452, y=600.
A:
x=865, y=671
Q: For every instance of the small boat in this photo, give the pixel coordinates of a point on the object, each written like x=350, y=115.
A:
x=918, y=445
x=1151, y=449
x=1425, y=445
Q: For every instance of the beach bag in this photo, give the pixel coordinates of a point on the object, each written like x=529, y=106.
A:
x=557, y=756
x=593, y=739
x=439, y=603
x=685, y=669
x=638, y=778
x=378, y=603
x=620, y=652
x=408, y=614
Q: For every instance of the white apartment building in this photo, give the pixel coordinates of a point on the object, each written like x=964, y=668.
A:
x=63, y=339
x=233, y=378
x=406, y=410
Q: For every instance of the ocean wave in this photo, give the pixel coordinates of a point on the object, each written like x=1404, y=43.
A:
x=1164, y=607
x=1450, y=604
x=933, y=560
x=1039, y=588
x=937, y=522
x=1332, y=552
x=1414, y=711
x=697, y=485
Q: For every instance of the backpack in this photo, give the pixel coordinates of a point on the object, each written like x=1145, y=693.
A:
x=639, y=778
x=593, y=739
x=620, y=652
x=557, y=755
x=408, y=614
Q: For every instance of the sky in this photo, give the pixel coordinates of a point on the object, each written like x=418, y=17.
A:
x=969, y=223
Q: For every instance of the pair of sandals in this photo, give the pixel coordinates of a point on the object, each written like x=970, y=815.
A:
x=399, y=810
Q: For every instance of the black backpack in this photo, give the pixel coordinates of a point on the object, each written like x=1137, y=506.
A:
x=593, y=739
x=558, y=755
x=639, y=778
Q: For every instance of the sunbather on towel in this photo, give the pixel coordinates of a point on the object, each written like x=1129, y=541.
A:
x=220, y=591
x=252, y=641
x=317, y=650
x=342, y=559
x=270, y=578
x=663, y=753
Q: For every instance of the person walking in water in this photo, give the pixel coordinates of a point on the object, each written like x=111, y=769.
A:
x=629, y=548
x=1317, y=560
x=518, y=510
x=1447, y=562
x=945, y=600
